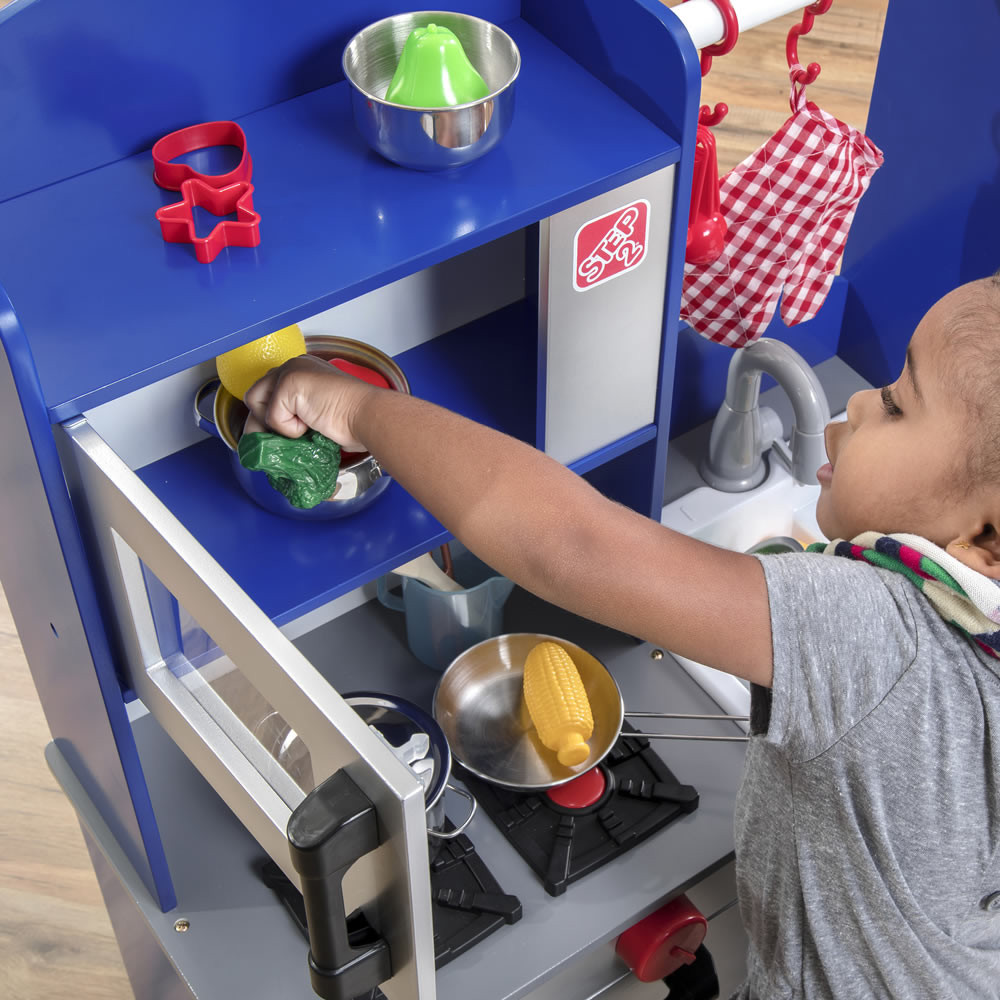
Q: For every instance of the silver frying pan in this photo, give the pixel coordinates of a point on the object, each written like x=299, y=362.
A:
x=479, y=706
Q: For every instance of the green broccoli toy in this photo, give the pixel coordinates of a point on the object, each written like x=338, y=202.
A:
x=304, y=470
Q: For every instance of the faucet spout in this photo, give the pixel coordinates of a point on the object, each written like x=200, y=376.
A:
x=743, y=431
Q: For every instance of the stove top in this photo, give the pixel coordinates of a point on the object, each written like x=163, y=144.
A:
x=468, y=903
x=573, y=829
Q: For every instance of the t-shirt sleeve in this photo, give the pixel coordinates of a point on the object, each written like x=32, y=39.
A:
x=842, y=633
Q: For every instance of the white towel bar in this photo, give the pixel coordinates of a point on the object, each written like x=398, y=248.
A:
x=704, y=22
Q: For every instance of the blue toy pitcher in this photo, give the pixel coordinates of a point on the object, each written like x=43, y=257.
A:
x=441, y=624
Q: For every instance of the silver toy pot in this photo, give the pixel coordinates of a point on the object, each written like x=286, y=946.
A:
x=360, y=480
x=419, y=742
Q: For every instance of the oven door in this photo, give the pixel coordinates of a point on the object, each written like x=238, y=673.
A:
x=231, y=705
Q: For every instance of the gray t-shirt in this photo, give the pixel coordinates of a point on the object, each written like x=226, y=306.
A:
x=868, y=823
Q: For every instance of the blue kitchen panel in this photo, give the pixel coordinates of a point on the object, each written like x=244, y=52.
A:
x=702, y=365
x=928, y=223
x=625, y=46
x=108, y=306
x=88, y=83
x=485, y=370
x=630, y=477
x=613, y=450
x=183, y=644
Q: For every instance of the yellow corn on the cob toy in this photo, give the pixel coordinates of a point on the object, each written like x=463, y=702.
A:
x=557, y=702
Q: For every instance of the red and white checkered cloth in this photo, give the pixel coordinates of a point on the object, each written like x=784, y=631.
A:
x=788, y=208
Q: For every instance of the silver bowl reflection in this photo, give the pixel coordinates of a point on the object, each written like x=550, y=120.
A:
x=431, y=138
x=479, y=705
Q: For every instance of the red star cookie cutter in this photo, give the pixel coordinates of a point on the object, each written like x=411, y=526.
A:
x=177, y=220
x=171, y=175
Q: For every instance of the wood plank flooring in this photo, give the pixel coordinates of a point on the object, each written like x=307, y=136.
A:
x=55, y=937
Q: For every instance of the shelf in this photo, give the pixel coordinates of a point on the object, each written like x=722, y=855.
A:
x=108, y=307
x=290, y=567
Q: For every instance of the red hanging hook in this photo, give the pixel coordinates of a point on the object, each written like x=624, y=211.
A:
x=706, y=116
x=803, y=77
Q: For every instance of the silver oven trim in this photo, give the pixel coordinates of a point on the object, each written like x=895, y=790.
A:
x=127, y=522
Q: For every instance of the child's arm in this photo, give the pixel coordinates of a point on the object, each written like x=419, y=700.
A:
x=536, y=522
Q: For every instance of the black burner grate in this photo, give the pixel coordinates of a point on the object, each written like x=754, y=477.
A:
x=468, y=902
x=562, y=845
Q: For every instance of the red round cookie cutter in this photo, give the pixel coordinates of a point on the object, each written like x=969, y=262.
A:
x=170, y=175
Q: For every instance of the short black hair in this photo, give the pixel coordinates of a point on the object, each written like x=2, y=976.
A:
x=973, y=369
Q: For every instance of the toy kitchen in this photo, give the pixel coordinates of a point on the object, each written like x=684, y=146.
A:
x=287, y=785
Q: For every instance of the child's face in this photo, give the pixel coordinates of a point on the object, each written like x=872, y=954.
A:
x=898, y=461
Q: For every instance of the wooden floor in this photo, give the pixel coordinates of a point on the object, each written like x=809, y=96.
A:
x=55, y=938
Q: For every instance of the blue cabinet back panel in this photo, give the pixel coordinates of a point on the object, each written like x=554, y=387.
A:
x=87, y=82
x=929, y=220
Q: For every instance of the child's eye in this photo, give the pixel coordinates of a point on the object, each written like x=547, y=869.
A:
x=889, y=404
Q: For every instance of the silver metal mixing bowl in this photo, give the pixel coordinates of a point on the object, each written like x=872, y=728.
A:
x=480, y=707
x=431, y=138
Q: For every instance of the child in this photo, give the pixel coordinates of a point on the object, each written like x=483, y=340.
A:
x=868, y=823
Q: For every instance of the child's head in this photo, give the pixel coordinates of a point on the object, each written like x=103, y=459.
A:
x=923, y=455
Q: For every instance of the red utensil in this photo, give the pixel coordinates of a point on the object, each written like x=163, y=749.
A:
x=707, y=230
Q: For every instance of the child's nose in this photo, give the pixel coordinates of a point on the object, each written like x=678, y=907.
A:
x=859, y=405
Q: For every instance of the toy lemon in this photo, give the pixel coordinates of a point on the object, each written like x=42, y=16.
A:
x=240, y=368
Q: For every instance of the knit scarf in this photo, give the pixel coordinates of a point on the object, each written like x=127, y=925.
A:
x=964, y=598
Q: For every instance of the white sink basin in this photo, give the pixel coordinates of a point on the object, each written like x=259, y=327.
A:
x=779, y=507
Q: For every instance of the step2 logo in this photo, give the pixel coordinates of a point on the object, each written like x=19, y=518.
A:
x=607, y=247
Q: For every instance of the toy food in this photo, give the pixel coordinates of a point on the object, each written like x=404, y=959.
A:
x=435, y=72
x=557, y=702
x=239, y=368
x=304, y=470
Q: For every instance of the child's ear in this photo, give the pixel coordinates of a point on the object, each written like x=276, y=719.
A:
x=979, y=550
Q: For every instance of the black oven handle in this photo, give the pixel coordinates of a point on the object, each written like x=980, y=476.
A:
x=329, y=830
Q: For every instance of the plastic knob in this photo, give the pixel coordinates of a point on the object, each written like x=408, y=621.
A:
x=664, y=941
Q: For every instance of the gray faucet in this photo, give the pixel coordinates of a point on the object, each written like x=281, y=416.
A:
x=743, y=430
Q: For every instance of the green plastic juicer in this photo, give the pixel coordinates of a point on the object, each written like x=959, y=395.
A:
x=435, y=72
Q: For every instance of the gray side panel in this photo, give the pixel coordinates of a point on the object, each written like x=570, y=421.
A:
x=601, y=323
x=149, y=971
x=36, y=580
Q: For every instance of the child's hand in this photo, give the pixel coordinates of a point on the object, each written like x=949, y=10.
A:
x=307, y=392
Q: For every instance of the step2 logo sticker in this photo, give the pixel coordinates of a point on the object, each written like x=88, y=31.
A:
x=607, y=247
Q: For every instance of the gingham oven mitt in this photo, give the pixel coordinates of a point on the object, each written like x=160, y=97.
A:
x=788, y=208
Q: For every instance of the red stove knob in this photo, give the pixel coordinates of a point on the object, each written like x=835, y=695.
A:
x=664, y=941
